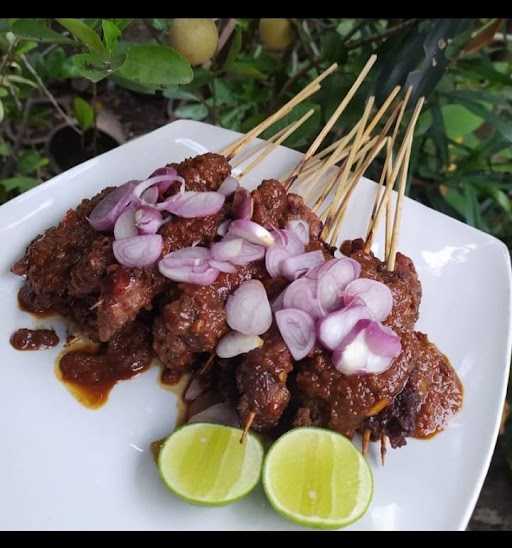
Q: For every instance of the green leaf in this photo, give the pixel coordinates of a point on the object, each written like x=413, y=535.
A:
x=121, y=24
x=483, y=68
x=111, y=34
x=5, y=148
x=246, y=68
x=175, y=92
x=83, y=32
x=456, y=200
x=37, y=30
x=500, y=198
x=501, y=123
x=155, y=65
x=19, y=183
x=459, y=121
x=224, y=94
x=29, y=162
x=132, y=85
x=332, y=47
x=25, y=47
x=234, y=49
x=84, y=113
x=197, y=111
x=2, y=111
x=160, y=24
x=87, y=66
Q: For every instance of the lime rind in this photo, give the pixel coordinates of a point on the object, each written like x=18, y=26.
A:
x=364, y=478
x=200, y=484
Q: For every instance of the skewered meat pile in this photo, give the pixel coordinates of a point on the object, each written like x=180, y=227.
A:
x=138, y=312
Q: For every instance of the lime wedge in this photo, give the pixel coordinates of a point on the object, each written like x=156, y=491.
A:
x=206, y=463
x=317, y=478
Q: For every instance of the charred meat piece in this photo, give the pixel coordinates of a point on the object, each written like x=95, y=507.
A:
x=274, y=207
x=431, y=396
x=403, y=283
x=204, y=172
x=129, y=352
x=180, y=232
x=86, y=275
x=195, y=321
x=125, y=292
x=347, y=400
x=50, y=257
x=261, y=380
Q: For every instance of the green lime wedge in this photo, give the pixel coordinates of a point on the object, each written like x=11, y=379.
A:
x=317, y=478
x=206, y=463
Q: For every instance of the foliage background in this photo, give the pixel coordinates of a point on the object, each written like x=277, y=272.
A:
x=65, y=70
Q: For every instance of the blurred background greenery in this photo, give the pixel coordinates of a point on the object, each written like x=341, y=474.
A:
x=104, y=81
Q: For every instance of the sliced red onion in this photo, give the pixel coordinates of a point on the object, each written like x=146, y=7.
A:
x=170, y=173
x=293, y=267
x=198, y=275
x=193, y=390
x=377, y=296
x=148, y=220
x=187, y=256
x=150, y=196
x=192, y=204
x=274, y=258
x=223, y=227
x=252, y=232
x=229, y=185
x=277, y=303
x=382, y=340
x=337, y=325
x=243, y=204
x=227, y=249
x=298, y=331
x=300, y=228
x=223, y=266
x=248, y=310
x=105, y=214
x=289, y=240
x=355, y=356
x=125, y=225
x=234, y=343
x=139, y=250
x=333, y=278
x=250, y=253
x=144, y=185
x=302, y=294
x=220, y=413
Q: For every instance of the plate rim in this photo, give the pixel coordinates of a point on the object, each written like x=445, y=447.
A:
x=500, y=246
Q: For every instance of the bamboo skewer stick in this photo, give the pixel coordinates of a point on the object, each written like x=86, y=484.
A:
x=398, y=209
x=344, y=173
x=271, y=146
x=353, y=182
x=380, y=196
x=389, y=206
x=248, y=424
x=231, y=150
x=241, y=158
x=315, y=160
x=332, y=120
x=316, y=175
x=366, y=441
x=405, y=151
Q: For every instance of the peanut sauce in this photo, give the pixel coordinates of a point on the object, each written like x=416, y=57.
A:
x=34, y=339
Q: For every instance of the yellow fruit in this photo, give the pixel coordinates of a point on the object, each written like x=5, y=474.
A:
x=276, y=34
x=195, y=39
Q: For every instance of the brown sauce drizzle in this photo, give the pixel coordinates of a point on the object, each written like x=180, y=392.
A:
x=90, y=373
x=28, y=303
x=34, y=339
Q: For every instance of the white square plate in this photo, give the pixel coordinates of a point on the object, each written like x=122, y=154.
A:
x=65, y=467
